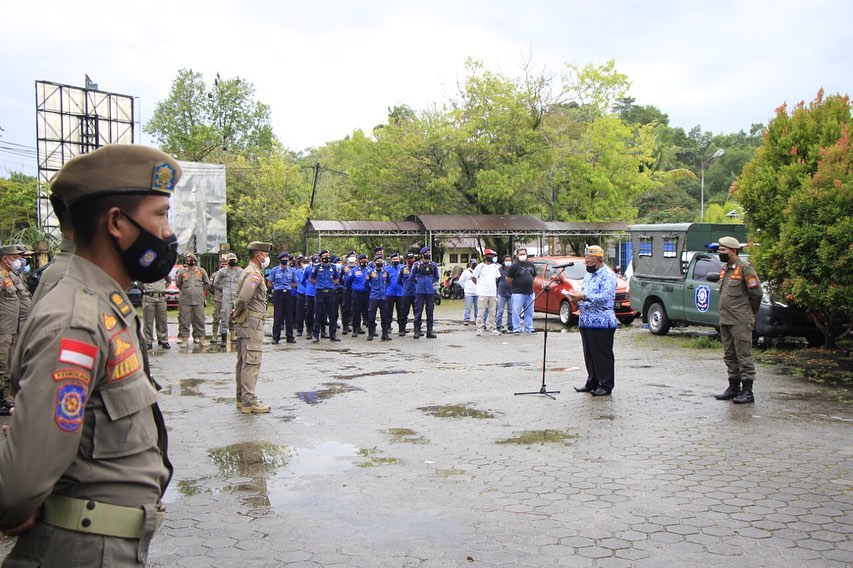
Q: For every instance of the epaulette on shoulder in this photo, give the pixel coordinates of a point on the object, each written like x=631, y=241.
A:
x=84, y=313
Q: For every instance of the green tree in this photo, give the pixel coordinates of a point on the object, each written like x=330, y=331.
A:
x=197, y=123
x=796, y=193
x=18, y=200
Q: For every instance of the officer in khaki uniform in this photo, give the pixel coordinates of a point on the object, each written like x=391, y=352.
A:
x=155, y=313
x=85, y=463
x=249, y=314
x=192, y=281
x=10, y=322
x=217, y=297
x=740, y=298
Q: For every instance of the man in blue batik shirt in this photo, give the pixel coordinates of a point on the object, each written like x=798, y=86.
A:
x=597, y=322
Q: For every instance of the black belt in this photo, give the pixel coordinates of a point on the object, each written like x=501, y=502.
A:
x=326, y=290
x=155, y=294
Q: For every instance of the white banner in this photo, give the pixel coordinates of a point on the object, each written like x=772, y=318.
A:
x=198, y=208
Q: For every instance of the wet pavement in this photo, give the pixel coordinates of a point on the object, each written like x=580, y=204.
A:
x=418, y=453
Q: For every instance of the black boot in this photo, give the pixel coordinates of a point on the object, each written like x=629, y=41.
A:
x=386, y=336
x=355, y=333
x=417, y=334
x=731, y=392
x=745, y=395
x=370, y=335
x=430, y=334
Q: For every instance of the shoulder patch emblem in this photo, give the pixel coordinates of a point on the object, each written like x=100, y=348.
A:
x=77, y=353
x=752, y=281
x=110, y=322
x=118, y=302
x=72, y=375
x=70, y=403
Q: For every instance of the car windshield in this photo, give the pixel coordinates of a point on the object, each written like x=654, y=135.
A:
x=575, y=272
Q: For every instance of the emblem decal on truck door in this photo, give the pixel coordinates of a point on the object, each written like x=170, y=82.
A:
x=703, y=298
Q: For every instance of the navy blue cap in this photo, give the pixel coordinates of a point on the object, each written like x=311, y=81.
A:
x=283, y=254
x=362, y=257
x=424, y=250
x=377, y=249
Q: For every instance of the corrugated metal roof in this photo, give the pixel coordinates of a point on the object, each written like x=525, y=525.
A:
x=578, y=226
x=480, y=223
x=361, y=226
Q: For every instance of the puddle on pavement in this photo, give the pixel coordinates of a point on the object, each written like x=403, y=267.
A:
x=186, y=387
x=330, y=390
x=404, y=436
x=456, y=411
x=506, y=365
x=563, y=369
x=257, y=471
x=372, y=374
x=540, y=437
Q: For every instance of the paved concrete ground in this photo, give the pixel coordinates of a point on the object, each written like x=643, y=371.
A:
x=357, y=466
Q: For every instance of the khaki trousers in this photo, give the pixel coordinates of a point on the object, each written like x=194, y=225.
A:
x=250, y=341
x=7, y=343
x=154, y=314
x=217, y=317
x=487, y=306
x=192, y=315
x=737, y=351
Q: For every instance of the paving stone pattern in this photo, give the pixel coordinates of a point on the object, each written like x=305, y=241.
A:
x=348, y=471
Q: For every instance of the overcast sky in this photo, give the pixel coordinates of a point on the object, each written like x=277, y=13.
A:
x=327, y=68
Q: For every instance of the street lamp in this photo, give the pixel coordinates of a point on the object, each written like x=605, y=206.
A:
x=707, y=161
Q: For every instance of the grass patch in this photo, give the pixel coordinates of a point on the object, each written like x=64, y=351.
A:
x=541, y=437
x=374, y=460
x=404, y=435
x=705, y=342
x=456, y=411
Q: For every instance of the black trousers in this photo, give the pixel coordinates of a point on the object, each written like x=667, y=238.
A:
x=309, y=314
x=325, y=306
x=300, y=313
x=421, y=301
x=282, y=302
x=403, y=310
x=384, y=314
x=359, y=308
x=346, y=308
x=598, y=355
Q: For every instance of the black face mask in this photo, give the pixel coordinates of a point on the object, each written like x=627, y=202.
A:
x=149, y=258
x=591, y=269
x=362, y=264
x=724, y=257
x=426, y=257
x=395, y=263
x=232, y=263
x=379, y=265
x=189, y=262
x=325, y=261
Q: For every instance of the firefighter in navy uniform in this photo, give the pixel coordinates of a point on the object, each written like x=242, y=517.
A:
x=91, y=494
x=740, y=298
x=324, y=278
x=425, y=275
x=407, y=294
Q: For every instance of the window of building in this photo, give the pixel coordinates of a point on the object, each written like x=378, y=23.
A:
x=454, y=258
x=464, y=258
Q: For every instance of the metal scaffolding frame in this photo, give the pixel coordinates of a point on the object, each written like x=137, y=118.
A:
x=71, y=121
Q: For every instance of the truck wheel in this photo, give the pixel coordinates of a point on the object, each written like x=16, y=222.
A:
x=658, y=320
x=566, y=313
x=626, y=320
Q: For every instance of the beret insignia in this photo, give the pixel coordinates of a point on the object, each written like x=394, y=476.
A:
x=164, y=178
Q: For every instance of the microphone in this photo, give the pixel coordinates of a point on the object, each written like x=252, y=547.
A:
x=568, y=264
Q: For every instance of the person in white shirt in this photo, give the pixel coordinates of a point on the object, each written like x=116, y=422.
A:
x=486, y=278
x=470, y=288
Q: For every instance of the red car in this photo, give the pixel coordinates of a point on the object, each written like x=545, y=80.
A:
x=572, y=279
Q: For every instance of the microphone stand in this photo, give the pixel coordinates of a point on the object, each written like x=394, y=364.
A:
x=543, y=390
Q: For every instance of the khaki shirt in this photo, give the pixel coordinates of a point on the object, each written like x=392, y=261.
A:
x=24, y=296
x=251, y=296
x=217, y=292
x=87, y=423
x=158, y=287
x=53, y=273
x=10, y=304
x=740, y=293
x=192, y=282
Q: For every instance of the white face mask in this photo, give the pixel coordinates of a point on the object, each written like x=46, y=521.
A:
x=507, y=263
x=265, y=262
x=522, y=257
x=351, y=260
x=338, y=265
x=16, y=265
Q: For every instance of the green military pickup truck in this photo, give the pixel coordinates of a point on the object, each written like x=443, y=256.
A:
x=669, y=284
